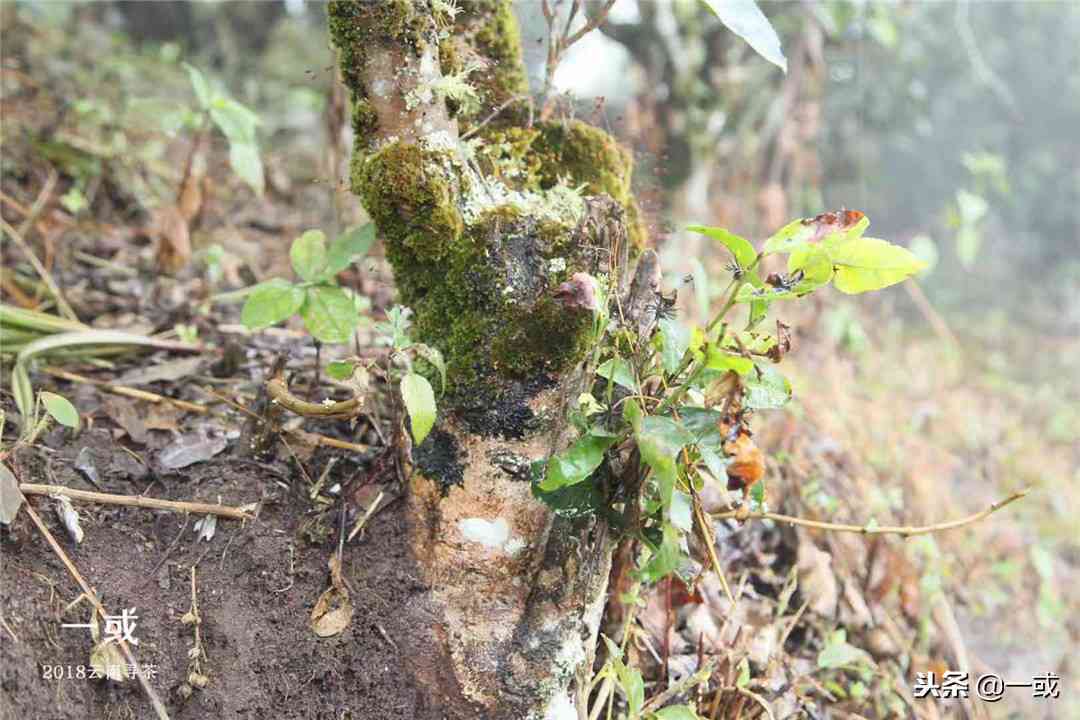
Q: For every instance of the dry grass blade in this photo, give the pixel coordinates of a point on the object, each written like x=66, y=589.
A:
x=233, y=513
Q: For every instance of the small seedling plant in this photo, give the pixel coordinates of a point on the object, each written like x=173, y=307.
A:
x=235, y=121
x=671, y=412
x=330, y=313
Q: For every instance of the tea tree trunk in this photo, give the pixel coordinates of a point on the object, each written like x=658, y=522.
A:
x=501, y=235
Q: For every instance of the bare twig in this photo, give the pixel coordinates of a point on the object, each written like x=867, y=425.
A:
x=151, y=694
x=710, y=544
x=902, y=530
x=233, y=513
x=125, y=391
x=558, y=43
x=367, y=516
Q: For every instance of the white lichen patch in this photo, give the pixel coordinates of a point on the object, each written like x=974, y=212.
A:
x=556, y=265
x=489, y=533
x=561, y=708
x=515, y=545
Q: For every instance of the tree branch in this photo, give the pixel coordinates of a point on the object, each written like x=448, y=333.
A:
x=903, y=530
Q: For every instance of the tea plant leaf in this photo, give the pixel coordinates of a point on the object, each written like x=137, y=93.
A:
x=340, y=369
x=271, y=302
x=667, y=556
x=570, y=501
x=420, y=404
x=235, y=121
x=745, y=19
x=618, y=371
x=199, y=85
x=740, y=247
x=347, y=247
x=246, y=163
x=329, y=314
x=766, y=389
x=433, y=356
x=660, y=439
x=871, y=264
x=61, y=409
x=838, y=653
x=717, y=359
x=675, y=340
x=309, y=255
x=577, y=462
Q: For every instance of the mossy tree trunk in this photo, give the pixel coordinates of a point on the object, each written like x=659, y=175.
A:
x=499, y=242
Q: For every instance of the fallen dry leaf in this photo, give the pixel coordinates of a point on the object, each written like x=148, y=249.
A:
x=169, y=228
x=109, y=661
x=816, y=579
x=69, y=517
x=334, y=610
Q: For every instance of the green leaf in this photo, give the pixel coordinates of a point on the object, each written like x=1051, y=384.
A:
x=757, y=493
x=745, y=19
x=717, y=359
x=271, y=302
x=766, y=389
x=576, y=462
x=433, y=356
x=235, y=121
x=347, y=247
x=870, y=264
x=199, y=85
x=309, y=255
x=329, y=314
x=420, y=403
x=674, y=342
x=572, y=501
x=838, y=653
x=246, y=163
x=340, y=369
x=714, y=463
x=632, y=686
x=659, y=440
x=744, y=673
x=740, y=247
x=682, y=511
x=618, y=371
x=676, y=712
x=666, y=558
x=61, y=409
x=815, y=264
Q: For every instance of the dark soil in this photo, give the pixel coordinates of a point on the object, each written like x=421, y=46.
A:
x=256, y=588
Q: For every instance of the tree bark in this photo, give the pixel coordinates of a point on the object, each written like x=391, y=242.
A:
x=499, y=246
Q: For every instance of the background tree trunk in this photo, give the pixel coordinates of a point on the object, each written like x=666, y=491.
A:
x=495, y=246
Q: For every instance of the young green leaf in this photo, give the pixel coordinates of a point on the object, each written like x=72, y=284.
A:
x=340, y=369
x=246, y=163
x=667, y=557
x=433, y=356
x=632, y=686
x=61, y=409
x=579, y=500
x=871, y=264
x=420, y=404
x=309, y=255
x=660, y=439
x=675, y=340
x=839, y=653
x=235, y=121
x=740, y=247
x=577, y=462
x=717, y=359
x=745, y=19
x=347, y=247
x=329, y=313
x=618, y=371
x=766, y=389
x=271, y=302
x=199, y=85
